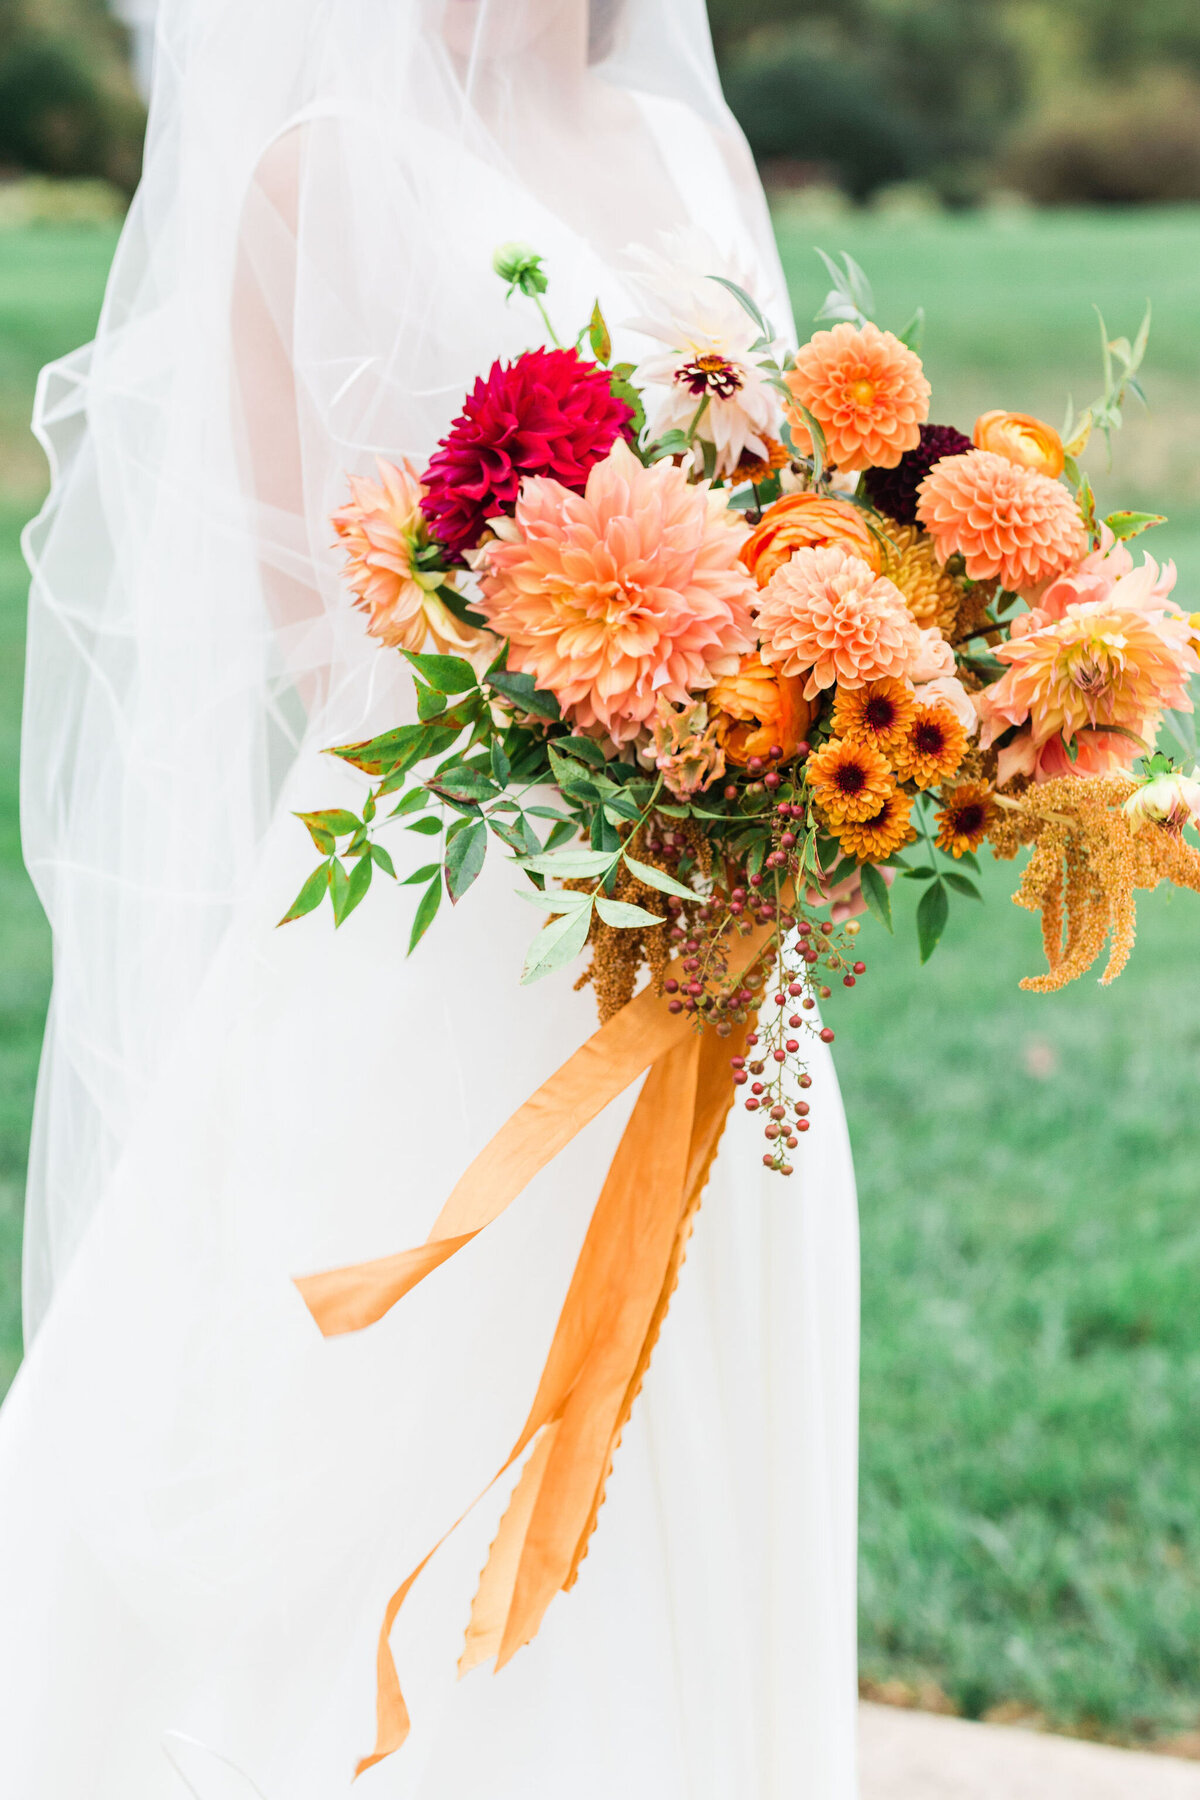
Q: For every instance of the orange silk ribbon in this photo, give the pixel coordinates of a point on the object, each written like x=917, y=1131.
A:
x=614, y=1309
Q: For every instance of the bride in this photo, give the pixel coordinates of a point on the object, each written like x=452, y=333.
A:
x=204, y=1506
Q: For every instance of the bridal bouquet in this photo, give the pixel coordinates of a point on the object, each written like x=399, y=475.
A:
x=729, y=638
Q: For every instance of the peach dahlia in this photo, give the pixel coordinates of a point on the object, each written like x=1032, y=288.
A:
x=867, y=392
x=1002, y=518
x=628, y=591
x=828, y=615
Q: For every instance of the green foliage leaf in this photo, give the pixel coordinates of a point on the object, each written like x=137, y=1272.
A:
x=512, y=835
x=448, y=674
x=621, y=914
x=560, y=834
x=962, y=884
x=557, y=944
x=427, y=827
x=333, y=823
x=356, y=887
x=382, y=860
x=413, y=801
x=914, y=332
x=463, y=783
x=425, y=873
x=1132, y=524
x=557, y=900
x=875, y=893
x=584, y=748
x=598, y=336
x=657, y=878
x=339, y=890
x=310, y=895
x=388, y=752
x=464, y=859
x=427, y=907
x=570, y=864
x=747, y=304
x=501, y=766
x=932, y=914
x=524, y=694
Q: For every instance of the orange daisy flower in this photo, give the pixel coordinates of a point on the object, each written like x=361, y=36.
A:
x=849, y=780
x=867, y=392
x=880, y=714
x=934, y=746
x=964, y=819
x=880, y=836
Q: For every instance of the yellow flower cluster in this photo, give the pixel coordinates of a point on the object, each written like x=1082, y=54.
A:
x=1088, y=861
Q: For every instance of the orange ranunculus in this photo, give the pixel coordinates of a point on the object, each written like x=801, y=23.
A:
x=808, y=522
x=757, y=709
x=1023, y=439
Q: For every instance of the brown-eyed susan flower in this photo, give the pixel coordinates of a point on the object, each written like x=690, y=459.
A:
x=757, y=710
x=880, y=836
x=1023, y=439
x=867, y=392
x=965, y=817
x=878, y=714
x=808, y=522
x=934, y=745
x=849, y=780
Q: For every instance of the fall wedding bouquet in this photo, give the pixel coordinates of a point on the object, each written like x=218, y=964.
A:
x=724, y=639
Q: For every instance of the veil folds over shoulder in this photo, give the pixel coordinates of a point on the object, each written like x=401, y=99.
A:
x=303, y=283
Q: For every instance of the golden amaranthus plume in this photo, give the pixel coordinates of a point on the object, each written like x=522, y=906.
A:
x=618, y=954
x=910, y=561
x=1087, y=862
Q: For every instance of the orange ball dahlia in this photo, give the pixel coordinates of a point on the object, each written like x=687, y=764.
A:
x=1023, y=439
x=803, y=522
x=879, y=713
x=880, y=836
x=867, y=392
x=827, y=614
x=628, y=591
x=848, y=781
x=1002, y=518
x=758, y=710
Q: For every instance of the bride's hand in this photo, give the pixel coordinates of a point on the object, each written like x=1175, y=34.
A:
x=846, y=899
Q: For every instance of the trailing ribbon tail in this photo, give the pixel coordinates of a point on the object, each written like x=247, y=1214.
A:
x=611, y=1317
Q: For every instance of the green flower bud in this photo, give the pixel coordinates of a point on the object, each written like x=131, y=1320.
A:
x=521, y=266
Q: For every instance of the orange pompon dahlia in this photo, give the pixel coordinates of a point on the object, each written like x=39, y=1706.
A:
x=1023, y=439
x=384, y=530
x=848, y=780
x=879, y=714
x=757, y=711
x=933, y=747
x=880, y=836
x=964, y=819
x=826, y=613
x=867, y=392
x=1002, y=519
x=628, y=591
x=808, y=522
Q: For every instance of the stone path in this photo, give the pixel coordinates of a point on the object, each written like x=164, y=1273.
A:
x=917, y=1756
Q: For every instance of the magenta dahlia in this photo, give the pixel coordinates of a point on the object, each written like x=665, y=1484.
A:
x=547, y=413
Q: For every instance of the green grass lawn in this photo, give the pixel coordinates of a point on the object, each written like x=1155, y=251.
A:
x=1031, y=1238
x=1028, y=1164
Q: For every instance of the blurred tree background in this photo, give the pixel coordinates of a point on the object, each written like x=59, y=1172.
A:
x=68, y=105
x=1066, y=101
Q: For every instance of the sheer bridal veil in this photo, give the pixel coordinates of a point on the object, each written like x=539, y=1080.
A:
x=303, y=282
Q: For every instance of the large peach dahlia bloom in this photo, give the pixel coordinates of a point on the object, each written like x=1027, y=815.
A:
x=628, y=591
x=867, y=392
x=1002, y=518
x=827, y=615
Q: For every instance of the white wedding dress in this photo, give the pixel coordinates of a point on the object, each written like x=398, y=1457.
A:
x=203, y=1504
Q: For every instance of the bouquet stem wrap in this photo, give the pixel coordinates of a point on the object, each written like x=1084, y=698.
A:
x=613, y=1312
